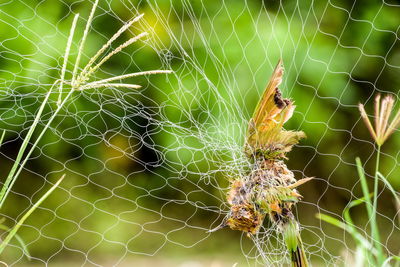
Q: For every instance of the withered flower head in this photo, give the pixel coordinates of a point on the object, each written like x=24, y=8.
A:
x=266, y=136
x=383, y=128
x=269, y=188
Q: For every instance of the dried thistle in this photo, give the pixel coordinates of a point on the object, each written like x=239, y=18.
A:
x=383, y=128
x=269, y=189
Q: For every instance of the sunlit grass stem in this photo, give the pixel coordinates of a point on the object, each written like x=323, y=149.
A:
x=374, y=224
x=13, y=173
x=14, y=230
x=66, y=56
x=18, y=238
x=2, y=137
x=83, y=40
x=16, y=172
x=116, y=51
x=141, y=73
x=17, y=167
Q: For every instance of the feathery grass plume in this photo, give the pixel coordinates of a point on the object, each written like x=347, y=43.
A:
x=78, y=82
x=383, y=128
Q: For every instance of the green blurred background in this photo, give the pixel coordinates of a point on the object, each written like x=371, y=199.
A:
x=148, y=170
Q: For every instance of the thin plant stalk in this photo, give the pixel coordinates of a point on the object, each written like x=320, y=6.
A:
x=19, y=239
x=374, y=226
x=356, y=235
x=371, y=210
x=364, y=187
x=11, y=175
x=67, y=52
x=388, y=185
x=99, y=85
x=16, y=173
x=106, y=45
x=116, y=51
x=83, y=40
x=2, y=137
x=125, y=76
x=14, y=230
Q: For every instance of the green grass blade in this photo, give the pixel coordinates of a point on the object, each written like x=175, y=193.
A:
x=11, y=177
x=20, y=241
x=2, y=137
x=83, y=40
x=13, y=174
x=14, y=230
x=352, y=204
x=66, y=55
x=364, y=186
x=365, y=251
x=371, y=210
x=388, y=185
x=351, y=230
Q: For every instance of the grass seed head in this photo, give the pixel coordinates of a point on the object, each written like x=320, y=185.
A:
x=383, y=127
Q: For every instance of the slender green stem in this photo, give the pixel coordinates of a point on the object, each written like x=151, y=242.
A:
x=2, y=137
x=351, y=230
x=11, y=175
x=395, y=194
x=15, y=173
x=374, y=223
x=83, y=40
x=14, y=230
x=20, y=241
x=372, y=259
x=67, y=52
x=364, y=187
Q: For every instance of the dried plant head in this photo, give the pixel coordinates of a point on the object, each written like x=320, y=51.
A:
x=383, y=127
x=266, y=135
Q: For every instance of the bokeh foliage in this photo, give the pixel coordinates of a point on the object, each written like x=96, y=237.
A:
x=336, y=54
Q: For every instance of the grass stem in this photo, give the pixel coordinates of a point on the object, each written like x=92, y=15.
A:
x=14, y=230
x=11, y=175
x=374, y=223
x=83, y=40
x=67, y=52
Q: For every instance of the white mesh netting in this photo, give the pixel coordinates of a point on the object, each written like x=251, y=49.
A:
x=147, y=170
